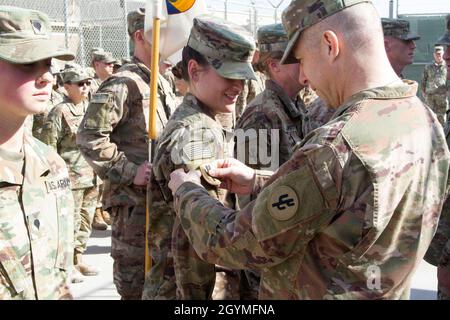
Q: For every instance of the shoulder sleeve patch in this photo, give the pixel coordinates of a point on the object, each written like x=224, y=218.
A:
x=100, y=97
x=283, y=203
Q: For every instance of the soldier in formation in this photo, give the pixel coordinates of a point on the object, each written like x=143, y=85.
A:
x=439, y=252
x=399, y=43
x=59, y=132
x=36, y=205
x=113, y=139
x=352, y=213
x=434, y=85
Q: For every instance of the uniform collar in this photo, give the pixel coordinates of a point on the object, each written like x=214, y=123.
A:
x=78, y=109
x=291, y=108
x=396, y=90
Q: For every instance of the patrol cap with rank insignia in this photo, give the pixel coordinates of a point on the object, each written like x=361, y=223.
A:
x=301, y=14
x=272, y=41
x=229, y=48
x=25, y=37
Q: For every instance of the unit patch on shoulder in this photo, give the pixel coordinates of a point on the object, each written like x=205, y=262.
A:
x=282, y=203
x=100, y=98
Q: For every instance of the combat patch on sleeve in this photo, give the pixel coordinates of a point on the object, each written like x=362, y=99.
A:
x=100, y=97
x=283, y=203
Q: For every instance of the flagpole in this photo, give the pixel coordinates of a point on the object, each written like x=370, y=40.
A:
x=152, y=133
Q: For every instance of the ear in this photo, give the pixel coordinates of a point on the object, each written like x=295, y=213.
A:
x=193, y=69
x=139, y=35
x=331, y=43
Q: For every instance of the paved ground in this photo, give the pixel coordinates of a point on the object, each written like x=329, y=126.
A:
x=102, y=288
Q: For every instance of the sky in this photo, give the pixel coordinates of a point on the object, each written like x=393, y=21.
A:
x=404, y=6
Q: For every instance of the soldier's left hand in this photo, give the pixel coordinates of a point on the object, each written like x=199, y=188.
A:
x=178, y=177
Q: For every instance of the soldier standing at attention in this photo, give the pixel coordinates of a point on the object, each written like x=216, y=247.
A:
x=438, y=253
x=36, y=206
x=352, y=213
x=103, y=64
x=399, y=43
x=434, y=85
x=216, y=61
x=59, y=132
x=113, y=138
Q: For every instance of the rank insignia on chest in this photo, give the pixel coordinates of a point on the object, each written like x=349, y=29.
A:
x=283, y=203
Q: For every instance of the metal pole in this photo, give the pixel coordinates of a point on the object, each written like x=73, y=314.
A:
x=256, y=21
x=123, y=4
x=80, y=33
x=225, y=14
x=391, y=9
x=100, y=36
x=276, y=15
x=66, y=23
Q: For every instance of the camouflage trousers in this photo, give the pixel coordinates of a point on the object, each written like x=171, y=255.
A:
x=439, y=104
x=85, y=203
x=127, y=250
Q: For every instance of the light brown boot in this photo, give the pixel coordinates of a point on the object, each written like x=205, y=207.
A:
x=76, y=276
x=85, y=269
x=98, y=223
x=106, y=217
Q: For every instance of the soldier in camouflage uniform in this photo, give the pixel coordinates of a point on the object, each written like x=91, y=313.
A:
x=439, y=252
x=103, y=64
x=215, y=62
x=36, y=221
x=352, y=213
x=252, y=87
x=434, y=85
x=399, y=43
x=59, y=132
x=277, y=113
x=114, y=140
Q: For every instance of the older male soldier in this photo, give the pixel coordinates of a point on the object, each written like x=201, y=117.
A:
x=439, y=252
x=352, y=213
x=399, y=43
x=434, y=84
x=113, y=139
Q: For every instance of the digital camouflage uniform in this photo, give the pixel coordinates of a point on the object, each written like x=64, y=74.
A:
x=114, y=140
x=439, y=252
x=36, y=221
x=351, y=214
x=194, y=136
x=60, y=132
x=434, y=85
x=251, y=89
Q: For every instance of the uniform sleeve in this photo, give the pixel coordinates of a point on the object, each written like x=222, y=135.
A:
x=52, y=131
x=105, y=110
x=297, y=203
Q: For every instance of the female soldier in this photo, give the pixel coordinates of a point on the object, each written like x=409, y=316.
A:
x=216, y=61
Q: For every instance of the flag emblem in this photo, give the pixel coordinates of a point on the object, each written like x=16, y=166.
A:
x=179, y=6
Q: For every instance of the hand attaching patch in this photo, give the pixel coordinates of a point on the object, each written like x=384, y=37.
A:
x=283, y=203
x=204, y=169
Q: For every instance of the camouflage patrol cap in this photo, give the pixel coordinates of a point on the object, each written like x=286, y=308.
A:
x=438, y=48
x=74, y=75
x=135, y=20
x=103, y=56
x=398, y=28
x=25, y=37
x=445, y=39
x=229, y=48
x=301, y=14
x=272, y=38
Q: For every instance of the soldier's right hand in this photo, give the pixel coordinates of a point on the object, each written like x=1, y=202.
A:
x=235, y=176
x=143, y=174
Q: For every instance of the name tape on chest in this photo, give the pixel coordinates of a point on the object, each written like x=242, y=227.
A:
x=283, y=203
x=56, y=184
x=100, y=98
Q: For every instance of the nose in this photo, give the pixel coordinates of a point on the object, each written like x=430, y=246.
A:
x=412, y=45
x=237, y=84
x=45, y=76
x=302, y=79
